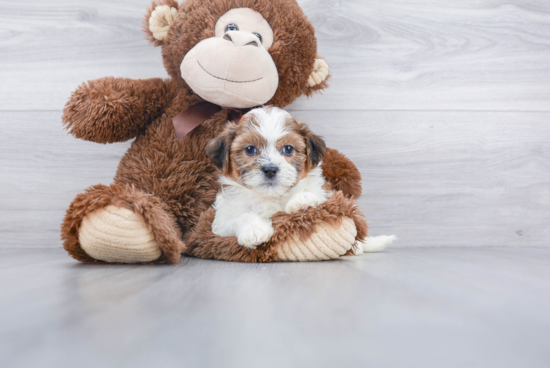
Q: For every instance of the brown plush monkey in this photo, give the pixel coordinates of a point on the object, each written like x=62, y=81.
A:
x=222, y=56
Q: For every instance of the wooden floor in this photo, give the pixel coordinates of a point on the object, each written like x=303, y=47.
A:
x=444, y=307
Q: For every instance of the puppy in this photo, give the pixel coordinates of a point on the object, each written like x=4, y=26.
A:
x=270, y=163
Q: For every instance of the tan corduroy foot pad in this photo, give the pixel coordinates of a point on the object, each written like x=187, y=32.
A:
x=118, y=235
x=327, y=242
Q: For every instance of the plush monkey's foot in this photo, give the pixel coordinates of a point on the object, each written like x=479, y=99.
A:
x=327, y=242
x=118, y=235
x=121, y=224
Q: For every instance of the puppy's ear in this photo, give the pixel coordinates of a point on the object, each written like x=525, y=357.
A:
x=316, y=146
x=218, y=149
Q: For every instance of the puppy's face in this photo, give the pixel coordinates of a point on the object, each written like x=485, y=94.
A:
x=268, y=151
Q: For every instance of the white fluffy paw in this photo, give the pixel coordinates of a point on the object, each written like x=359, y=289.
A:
x=254, y=234
x=300, y=202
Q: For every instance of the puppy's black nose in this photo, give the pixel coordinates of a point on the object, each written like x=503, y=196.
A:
x=270, y=171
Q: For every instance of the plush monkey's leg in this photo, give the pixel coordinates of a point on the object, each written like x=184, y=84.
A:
x=331, y=230
x=120, y=224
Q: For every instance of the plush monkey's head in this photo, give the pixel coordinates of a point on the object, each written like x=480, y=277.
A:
x=239, y=53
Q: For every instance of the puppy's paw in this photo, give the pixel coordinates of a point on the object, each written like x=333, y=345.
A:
x=300, y=202
x=255, y=234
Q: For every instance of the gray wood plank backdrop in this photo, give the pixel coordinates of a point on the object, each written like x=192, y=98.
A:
x=444, y=106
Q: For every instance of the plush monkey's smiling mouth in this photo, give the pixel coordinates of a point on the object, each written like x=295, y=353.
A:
x=227, y=80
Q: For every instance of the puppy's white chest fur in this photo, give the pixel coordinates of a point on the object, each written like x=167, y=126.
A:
x=246, y=213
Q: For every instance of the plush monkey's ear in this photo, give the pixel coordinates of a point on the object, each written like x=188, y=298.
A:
x=319, y=76
x=160, y=16
x=218, y=148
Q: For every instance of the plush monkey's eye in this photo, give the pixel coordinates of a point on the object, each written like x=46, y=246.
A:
x=288, y=150
x=259, y=36
x=251, y=151
x=232, y=27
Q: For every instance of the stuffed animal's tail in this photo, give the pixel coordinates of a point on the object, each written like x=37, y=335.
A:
x=375, y=243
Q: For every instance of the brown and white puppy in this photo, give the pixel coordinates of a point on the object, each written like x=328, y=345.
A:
x=270, y=163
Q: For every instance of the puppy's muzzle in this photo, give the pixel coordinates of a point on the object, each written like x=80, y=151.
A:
x=270, y=171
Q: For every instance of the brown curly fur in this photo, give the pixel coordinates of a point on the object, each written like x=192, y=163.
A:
x=342, y=174
x=203, y=243
x=112, y=110
x=174, y=179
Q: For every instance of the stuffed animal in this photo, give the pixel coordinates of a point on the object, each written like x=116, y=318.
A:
x=223, y=58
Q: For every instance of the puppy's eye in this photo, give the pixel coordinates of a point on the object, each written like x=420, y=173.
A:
x=232, y=27
x=288, y=150
x=251, y=151
x=259, y=36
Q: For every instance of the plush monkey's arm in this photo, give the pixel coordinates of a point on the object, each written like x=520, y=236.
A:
x=342, y=174
x=111, y=110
